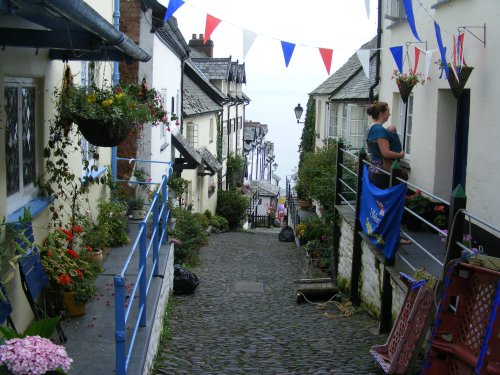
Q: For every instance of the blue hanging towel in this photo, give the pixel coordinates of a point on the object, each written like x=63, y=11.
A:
x=380, y=214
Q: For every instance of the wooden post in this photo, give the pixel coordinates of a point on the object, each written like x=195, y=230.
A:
x=458, y=202
x=356, y=243
x=336, y=216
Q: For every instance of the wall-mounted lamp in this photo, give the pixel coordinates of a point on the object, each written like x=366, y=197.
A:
x=298, y=113
x=275, y=166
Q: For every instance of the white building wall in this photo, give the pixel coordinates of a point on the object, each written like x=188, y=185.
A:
x=435, y=107
x=29, y=63
x=163, y=72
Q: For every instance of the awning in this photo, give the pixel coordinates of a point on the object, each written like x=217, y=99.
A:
x=191, y=158
x=70, y=29
x=210, y=161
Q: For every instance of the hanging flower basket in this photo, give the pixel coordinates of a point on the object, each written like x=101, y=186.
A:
x=463, y=76
x=102, y=134
x=404, y=90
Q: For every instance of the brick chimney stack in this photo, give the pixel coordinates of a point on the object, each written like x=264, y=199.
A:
x=197, y=44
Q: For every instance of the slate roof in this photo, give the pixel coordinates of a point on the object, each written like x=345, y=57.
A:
x=209, y=160
x=215, y=68
x=195, y=101
x=265, y=188
x=348, y=71
x=358, y=87
x=248, y=133
x=185, y=148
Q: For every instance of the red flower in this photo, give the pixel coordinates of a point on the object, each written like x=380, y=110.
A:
x=69, y=234
x=439, y=208
x=80, y=273
x=88, y=248
x=73, y=253
x=77, y=229
x=49, y=253
x=119, y=90
x=64, y=279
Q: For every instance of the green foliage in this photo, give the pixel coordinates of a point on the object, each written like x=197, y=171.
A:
x=307, y=139
x=218, y=223
x=312, y=228
x=232, y=205
x=110, y=227
x=208, y=214
x=190, y=231
x=43, y=328
x=317, y=175
x=235, y=170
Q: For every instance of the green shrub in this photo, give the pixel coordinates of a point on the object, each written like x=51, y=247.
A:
x=208, y=214
x=218, y=223
x=232, y=205
x=112, y=218
x=190, y=231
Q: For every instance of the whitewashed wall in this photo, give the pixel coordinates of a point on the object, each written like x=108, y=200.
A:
x=434, y=105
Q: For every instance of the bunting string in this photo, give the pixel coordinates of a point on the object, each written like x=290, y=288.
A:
x=288, y=47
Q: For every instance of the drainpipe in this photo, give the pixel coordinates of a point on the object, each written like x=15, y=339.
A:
x=379, y=42
x=116, y=80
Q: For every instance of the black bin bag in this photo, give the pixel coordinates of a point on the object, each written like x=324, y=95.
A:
x=185, y=282
x=286, y=235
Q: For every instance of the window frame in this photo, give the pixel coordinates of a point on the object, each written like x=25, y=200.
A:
x=211, y=131
x=192, y=134
x=405, y=129
x=25, y=193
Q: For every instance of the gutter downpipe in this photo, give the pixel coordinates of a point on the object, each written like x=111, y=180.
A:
x=86, y=17
x=116, y=81
x=379, y=42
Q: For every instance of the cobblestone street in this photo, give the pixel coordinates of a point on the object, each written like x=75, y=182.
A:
x=243, y=318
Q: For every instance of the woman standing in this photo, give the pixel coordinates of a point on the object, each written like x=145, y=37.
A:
x=380, y=145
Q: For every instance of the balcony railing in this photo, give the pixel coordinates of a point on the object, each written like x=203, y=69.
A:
x=130, y=310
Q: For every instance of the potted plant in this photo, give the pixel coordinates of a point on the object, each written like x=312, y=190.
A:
x=70, y=270
x=178, y=186
x=136, y=207
x=418, y=204
x=105, y=115
x=406, y=82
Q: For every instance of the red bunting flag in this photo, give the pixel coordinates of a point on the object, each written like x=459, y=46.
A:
x=417, y=56
x=210, y=26
x=326, y=54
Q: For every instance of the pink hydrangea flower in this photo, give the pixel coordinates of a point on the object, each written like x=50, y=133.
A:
x=33, y=355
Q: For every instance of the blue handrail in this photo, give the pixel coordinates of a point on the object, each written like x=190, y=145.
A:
x=159, y=213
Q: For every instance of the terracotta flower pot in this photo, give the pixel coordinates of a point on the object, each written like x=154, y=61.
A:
x=73, y=308
x=97, y=255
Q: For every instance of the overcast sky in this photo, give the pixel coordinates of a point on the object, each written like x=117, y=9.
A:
x=273, y=88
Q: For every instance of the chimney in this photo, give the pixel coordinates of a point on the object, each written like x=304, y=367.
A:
x=197, y=44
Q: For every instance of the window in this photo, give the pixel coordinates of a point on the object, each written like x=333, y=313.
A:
x=405, y=127
x=394, y=10
x=20, y=106
x=231, y=136
x=211, y=131
x=348, y=122
x=88, y=150
x=332, y=123
x=192, y=134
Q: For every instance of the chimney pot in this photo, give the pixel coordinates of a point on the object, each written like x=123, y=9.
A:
x=201, y=36
x=194, y=36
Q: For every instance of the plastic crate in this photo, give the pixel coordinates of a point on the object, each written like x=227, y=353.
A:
x=402, y=346
x=465, y=334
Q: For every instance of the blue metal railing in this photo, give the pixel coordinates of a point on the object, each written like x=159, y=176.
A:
x=158, y=213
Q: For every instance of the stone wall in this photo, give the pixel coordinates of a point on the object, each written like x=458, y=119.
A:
x=345, y=255
x=372, y=269
x=370, y=281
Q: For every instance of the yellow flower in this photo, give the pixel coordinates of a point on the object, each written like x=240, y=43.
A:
x=119, y=95
x=91, y=98
x=107, y=102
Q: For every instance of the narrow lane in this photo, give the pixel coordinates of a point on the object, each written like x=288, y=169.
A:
x=243, y=318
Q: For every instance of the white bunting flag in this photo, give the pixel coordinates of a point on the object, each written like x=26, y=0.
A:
x=248, y=39
x=364, y=59
x=428, y=58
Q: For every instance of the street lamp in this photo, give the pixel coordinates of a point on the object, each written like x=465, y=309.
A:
x=275, y=166
x=298, y=113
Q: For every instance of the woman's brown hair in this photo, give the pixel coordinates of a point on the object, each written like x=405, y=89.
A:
x=376, y=109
